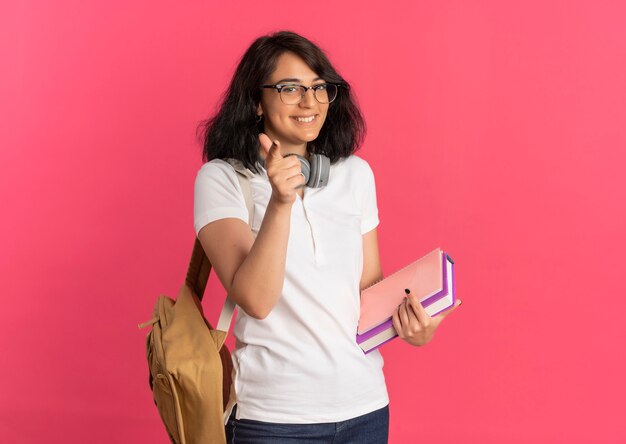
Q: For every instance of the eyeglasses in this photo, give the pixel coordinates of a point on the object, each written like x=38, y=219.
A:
x=292, y=94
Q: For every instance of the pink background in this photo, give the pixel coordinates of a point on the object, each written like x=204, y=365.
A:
x=496, y=131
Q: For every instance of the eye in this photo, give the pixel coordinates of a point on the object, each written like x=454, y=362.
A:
x=320, y=87
x=290, y=89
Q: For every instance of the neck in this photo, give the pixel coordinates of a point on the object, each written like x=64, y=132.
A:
x=287, y=148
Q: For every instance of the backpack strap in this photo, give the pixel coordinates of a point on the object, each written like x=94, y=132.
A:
x=200, y=266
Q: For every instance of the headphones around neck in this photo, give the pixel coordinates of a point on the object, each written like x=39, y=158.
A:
x=316, y=173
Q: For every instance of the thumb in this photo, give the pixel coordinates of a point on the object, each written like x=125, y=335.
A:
x=450, y=309
x=271, y=149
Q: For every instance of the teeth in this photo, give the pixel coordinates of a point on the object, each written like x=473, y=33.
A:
x=305, y=119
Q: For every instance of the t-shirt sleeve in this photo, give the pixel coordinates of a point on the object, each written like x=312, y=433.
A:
x=217, y=195
x=369, y=208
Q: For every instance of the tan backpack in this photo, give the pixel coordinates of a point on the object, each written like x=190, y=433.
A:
x=190, y=369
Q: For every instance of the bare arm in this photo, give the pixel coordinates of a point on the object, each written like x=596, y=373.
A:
x=253, y=271
x=372, y=270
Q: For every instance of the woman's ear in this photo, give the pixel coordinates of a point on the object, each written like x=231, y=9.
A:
x=259, y=109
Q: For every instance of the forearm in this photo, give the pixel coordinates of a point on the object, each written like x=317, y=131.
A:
x=258, y=282
x=370, y=281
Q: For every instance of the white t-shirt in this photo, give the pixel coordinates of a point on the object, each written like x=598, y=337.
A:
x=301, y=364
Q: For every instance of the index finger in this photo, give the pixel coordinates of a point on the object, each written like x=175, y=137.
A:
x=265, y=141
x=421, y=314
x=272, y=151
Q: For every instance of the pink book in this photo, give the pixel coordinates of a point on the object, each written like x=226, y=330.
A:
x=430, y=278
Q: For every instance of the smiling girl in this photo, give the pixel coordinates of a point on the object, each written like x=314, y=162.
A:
x=297, y=271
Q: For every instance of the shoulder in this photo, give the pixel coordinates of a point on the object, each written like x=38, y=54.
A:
x=356, y=166
x=217, y=172
x=217, y=168
x=217, y=177
x=227, y=170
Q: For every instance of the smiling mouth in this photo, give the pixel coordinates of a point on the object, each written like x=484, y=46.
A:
x=308, y=119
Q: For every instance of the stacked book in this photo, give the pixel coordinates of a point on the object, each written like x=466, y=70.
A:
x=430, y=278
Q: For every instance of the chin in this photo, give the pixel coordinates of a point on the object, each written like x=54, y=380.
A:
x=311, y=136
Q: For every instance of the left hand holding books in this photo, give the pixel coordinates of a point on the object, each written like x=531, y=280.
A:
x=412, y=322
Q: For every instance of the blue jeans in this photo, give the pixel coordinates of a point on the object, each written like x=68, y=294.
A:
x=371, y=428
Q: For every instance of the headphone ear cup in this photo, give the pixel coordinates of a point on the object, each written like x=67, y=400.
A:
x=320, y=171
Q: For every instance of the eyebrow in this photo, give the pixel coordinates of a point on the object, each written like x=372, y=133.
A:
x=298, y=80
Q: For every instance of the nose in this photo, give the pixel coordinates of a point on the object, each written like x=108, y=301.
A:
x=308, y=100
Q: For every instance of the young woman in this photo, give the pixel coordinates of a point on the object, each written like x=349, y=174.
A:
x=296, y=275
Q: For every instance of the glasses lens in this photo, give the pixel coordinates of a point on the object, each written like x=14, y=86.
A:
x=291, y=94
x=326, y=93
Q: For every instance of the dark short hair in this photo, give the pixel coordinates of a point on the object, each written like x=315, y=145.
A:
x=234, y=132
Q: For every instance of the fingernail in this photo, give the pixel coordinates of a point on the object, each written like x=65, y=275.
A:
x=460, y=302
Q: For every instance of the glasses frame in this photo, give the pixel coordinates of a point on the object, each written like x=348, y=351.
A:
x=279, y=87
